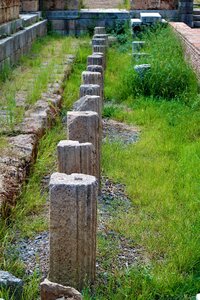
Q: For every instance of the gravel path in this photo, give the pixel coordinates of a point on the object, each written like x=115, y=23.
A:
x=35, y=252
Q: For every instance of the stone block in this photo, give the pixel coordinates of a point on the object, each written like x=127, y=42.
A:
x=75, y=157
x=11, y=283
x=150, y=18
x=99, y=49
x=85, y=126
x=139, y=55
x=137, y=45
x=90, y=89
x=89, y=103
x=96, y=59
x=135, y=23
x=94, y=78
x=101, y=36
x=96, y=68
x=99, y=30
x=141, y=70
x=73, y=224
x=100, y=42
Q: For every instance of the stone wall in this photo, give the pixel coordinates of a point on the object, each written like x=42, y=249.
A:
x=190, y=38
x=9, y=10
x=12, y=47
x=154, y=4
x=61, y=4
x=29, y=5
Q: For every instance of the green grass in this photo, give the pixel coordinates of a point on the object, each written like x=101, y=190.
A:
x=169, y=76
x=30, y=216
x=161, y=174
x=42, y=66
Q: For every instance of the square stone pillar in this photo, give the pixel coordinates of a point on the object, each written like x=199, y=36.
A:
x=84, y=126
x=75, y=157
x=73, y=225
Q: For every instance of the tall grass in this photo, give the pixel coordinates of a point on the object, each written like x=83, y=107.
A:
x=161, y=174
x=169, y=77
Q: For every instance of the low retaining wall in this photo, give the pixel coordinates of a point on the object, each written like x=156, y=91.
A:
x=191, y=41
x=11, y=48
x=9, y=10
x=84, y=21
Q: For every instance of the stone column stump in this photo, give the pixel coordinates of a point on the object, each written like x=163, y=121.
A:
x=84, y=126
x=99, y=49
x=96, y=68
x=75, y=157
x=93, y=78
x=89, y=103
x=90, y=89
x=99, y=30
x=96, y=59
x=73, y=225
x=101, y=36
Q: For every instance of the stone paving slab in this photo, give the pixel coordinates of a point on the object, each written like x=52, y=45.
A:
x=191, y=40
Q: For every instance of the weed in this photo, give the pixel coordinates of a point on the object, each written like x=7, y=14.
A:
x=169, y=77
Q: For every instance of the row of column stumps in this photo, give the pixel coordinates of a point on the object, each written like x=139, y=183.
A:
x=73, y=191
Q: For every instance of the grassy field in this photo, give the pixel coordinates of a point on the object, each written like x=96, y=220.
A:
x=161, y=171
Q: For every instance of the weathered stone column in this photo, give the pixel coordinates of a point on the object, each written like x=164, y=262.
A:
x=96, y=68
x=90, y=89
x=101, y=36
x=99, y=49
x=100, y=42
x=96, y=59
x=75, y=157
x=93, y=78
x=73, y=224
x=99, y=30
x=89, y=103
x=84, y=126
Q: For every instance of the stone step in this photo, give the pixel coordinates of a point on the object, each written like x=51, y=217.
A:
x=196, y=24
x=196, y=18
x=196, y=11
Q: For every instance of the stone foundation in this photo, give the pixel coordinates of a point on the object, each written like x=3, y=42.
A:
x=12, y=47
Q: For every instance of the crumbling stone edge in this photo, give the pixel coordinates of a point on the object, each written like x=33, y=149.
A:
x=21, y=148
